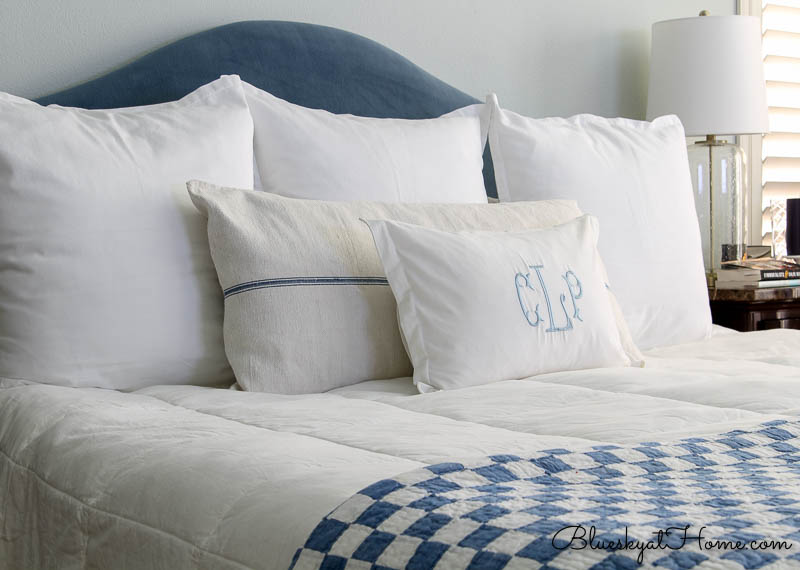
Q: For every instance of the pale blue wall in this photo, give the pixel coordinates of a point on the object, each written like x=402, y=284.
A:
x=542, y=57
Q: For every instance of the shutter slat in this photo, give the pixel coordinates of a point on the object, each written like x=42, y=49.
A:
x=780, y=169
x=789, y=3
x=783, y=94
x=780, y=191
x=780, y=18
x=786, y=44
x=783, y=69
x=784, y=120
x=781, y=145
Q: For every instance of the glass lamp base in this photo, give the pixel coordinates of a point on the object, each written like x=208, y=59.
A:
x=720, y=195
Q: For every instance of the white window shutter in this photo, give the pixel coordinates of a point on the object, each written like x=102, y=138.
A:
x=780, y=149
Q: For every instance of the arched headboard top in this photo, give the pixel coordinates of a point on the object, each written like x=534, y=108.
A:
x=310, y=65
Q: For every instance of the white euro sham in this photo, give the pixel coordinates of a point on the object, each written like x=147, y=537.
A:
x=634, y=177
x=315, y=154
x=105, y=274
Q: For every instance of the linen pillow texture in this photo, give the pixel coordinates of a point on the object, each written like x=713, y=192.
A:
x=634, y=177
x=314, y=154
x=105, y=275
x=307, y=305
x=481, y=307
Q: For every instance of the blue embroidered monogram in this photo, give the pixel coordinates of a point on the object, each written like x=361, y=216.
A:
x=522, y=282
x=574, y=295
x=302, y=281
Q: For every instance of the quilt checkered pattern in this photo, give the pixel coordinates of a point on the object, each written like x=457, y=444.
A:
x=508, y=512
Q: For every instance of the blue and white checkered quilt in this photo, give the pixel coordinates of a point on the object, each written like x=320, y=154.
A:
x=727, y=501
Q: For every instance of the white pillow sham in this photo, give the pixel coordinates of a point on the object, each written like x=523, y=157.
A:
x=481, y=307
x=634, y=177
x=314, y=154
x=307, y=306
x=105, y=274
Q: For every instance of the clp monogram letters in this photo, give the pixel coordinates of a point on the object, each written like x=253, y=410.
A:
x=525, y=289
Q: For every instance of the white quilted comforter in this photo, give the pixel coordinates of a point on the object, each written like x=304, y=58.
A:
x=176, y=477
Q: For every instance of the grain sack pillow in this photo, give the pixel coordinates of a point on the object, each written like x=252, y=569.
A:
x=307, y=304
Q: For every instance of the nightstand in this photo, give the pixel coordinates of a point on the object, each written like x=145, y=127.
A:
x=756, y=309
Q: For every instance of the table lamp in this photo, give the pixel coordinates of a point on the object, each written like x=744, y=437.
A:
x=708, y=71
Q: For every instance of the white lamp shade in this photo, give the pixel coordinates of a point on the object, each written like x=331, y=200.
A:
x=708, y=70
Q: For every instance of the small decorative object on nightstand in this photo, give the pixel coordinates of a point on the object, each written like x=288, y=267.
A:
x=708, y=70
x=756, y=309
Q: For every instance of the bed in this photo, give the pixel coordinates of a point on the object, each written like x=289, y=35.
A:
x=704, y=435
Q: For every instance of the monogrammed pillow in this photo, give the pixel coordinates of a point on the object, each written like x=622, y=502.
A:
x=307, y=304
x=477, y=307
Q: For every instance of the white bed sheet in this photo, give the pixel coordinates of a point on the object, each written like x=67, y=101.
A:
x=170, y=476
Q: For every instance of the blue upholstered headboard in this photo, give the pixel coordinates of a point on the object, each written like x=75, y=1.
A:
x=314, y=66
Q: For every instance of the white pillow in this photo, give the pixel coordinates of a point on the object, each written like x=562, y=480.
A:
x=481, y=307
x=105, y=274
x=314, y=154
x=634, y=177
x=307, y=306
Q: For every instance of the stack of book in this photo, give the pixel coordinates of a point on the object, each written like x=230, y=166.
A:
x=758, y=274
